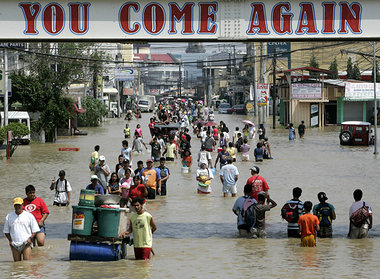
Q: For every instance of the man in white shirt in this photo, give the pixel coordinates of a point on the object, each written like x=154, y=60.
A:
x=360, y=231
x=204, y=157
x=229, y=175
x=62, y=190
x=203, y=135
x=20, y=228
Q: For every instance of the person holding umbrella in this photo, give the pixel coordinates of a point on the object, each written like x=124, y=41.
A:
x=251, y=128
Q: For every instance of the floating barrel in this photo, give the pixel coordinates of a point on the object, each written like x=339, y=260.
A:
x=83, y=251
x=87, y=197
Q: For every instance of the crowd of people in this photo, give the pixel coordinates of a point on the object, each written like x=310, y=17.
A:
x=170, y=140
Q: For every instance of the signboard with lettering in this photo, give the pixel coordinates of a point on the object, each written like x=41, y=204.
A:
x=123, y=73
x=262, y=91
x=360, y=91
x=194, y=20
x=306, y=91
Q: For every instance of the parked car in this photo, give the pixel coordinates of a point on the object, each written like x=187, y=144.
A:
x=355, y=133
x=238, y=109
x=223, y=107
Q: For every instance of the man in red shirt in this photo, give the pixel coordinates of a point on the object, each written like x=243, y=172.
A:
x=258, y=183
x=40, y=211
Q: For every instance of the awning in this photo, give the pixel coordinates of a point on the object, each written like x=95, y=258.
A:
x=78, y=110
x=110, y=91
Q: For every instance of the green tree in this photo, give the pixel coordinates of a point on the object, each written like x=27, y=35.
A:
x=3, y=135
x=53, y=67
x=94, y=111
x=356, y=73
x=314, y=64
x=18, y=129
x=350, y=69
x=334, y=69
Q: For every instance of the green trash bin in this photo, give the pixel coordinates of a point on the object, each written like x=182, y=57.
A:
x=87, y=197
x=83, y=217
x=108, y=222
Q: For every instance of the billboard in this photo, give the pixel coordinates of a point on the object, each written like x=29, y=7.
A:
x=360, y=91
x=193, y=20
x=262, y=90
x=306, y=91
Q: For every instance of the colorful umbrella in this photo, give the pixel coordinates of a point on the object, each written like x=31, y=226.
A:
x=248, y=122
x=210, y=123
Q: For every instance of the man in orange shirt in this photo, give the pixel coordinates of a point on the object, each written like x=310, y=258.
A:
x=309, y=224
x=152, y=179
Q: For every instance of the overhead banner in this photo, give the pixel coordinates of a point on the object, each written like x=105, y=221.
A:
x=182, y=20
x=360, y=91
x=306, y=91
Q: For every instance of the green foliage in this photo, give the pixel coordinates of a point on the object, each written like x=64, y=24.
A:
x=350, y=69
x=314, y=64
x=3, y=135
x=334, y=69
x=356, y=73
x=94, y=111
x=18, y=129
x=52, y=70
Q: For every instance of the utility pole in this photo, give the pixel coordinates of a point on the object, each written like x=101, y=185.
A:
x=210, y=86
x=374, y=95
x=274, y=95
x=253, y=59
x=5, y=87
x=180, y=80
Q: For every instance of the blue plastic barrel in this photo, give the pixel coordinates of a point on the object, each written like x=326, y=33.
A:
x=83, y=251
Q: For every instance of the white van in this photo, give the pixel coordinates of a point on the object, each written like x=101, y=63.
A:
x=18, y=116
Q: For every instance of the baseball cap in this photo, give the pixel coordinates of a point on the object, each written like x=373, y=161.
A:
x=149, y=161
x=255, y=169
x=94, y=177
x=102, y=158
x=322, y=196
x=18, y=201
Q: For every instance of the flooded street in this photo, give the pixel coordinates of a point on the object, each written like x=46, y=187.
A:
x=196, y=235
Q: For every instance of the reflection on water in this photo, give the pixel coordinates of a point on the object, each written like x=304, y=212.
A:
x=197, y=234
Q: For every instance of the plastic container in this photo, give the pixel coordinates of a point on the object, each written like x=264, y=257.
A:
x=84, y=251
x=87, y=198
x=83, y=217
x=185, y=169
x=108, y=222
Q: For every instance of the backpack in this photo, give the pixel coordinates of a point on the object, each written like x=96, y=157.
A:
x=324, y=214
x=249, y=213
x=56, y=186
x=290, y=212
x=360, y=216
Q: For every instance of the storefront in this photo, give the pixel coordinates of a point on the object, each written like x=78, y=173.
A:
x=358, y=102
x=312, y=101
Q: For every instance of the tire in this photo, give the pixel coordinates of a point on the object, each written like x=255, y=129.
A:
x=345, y=137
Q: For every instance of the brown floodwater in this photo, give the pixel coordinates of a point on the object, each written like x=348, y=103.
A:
x=197, y=235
